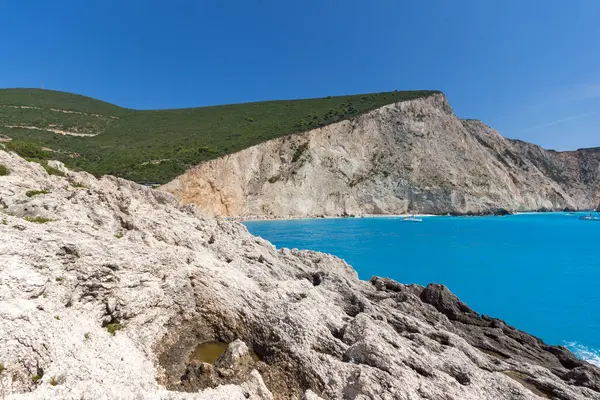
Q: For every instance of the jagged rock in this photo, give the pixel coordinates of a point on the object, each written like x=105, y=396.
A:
x=448, y=304
x=237, y=352
x=414, y=152
x=585, y=376
x=108, y=315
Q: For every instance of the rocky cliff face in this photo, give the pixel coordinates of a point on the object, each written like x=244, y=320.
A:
x=106, y=289
x=378, y=163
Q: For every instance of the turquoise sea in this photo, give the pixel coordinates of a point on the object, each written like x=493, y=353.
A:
x=538, y=272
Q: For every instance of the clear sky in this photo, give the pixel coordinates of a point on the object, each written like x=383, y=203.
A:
x=528, y=68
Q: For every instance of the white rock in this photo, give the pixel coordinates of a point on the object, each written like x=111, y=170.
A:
x=176, y=278
x=58, y=165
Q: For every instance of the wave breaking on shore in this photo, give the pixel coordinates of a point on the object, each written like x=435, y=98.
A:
x=589, y=354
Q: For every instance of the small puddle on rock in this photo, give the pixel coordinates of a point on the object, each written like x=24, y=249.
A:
x=209, y=352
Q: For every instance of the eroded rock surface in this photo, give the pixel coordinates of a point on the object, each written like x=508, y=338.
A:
x=378, y=163
x=106, y=289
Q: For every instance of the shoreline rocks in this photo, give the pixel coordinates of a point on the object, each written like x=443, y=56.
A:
x=108, y=287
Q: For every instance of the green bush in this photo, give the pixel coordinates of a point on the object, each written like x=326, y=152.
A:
x=28, y=150
x=113, y=327
x=38, y=220
x=31, y=193
x=4, y=170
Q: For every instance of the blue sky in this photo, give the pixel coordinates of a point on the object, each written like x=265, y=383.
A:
x=530, y=69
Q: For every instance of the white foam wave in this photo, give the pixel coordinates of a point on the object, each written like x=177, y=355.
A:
x=589, y=354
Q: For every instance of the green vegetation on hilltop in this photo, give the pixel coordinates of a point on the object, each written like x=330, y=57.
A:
x=58, y=100
x=157, y=145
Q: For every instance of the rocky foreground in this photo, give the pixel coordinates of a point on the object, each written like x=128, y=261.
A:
x=415, y=151
x=106, y=289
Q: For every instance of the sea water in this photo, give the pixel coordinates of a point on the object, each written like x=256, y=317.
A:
x=538, y=272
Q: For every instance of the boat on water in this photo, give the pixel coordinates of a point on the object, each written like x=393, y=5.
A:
x=590, y=217
x=412, y=217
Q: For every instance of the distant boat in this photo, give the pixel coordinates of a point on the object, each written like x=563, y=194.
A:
x=412, y=217
x=570, y=214
x=591, y=216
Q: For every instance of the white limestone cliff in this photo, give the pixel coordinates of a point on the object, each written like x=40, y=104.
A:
x=379, y=162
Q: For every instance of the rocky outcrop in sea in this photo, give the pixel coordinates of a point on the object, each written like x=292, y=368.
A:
x=107, y=288
x=415, y=155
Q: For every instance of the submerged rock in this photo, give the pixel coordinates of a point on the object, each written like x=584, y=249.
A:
x=106, y=291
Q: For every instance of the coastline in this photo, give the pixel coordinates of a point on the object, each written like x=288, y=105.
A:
x=321, y=217
x=582, y=349
x=245, y=218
